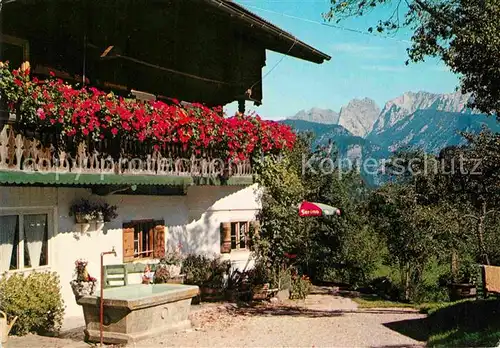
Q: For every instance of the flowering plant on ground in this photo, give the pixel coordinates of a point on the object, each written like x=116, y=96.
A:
x=162, y=275
x=90, y=113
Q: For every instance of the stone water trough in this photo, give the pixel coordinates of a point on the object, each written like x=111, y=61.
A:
x=135, y=312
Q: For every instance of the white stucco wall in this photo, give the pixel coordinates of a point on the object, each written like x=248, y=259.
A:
x=193, y=220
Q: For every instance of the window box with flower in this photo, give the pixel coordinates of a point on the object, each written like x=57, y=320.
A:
x=83, y=211
x=86, y=212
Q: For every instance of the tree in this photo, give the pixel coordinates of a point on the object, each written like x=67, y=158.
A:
x=407, y=229
x=342, y=246
x=472, y=175
x=419, y=222
x=462, y=182
x=464, y=34
x=281, y=229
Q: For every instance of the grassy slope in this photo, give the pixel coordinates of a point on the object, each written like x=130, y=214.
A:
x=449, y=324
x=466, y=324
x=366, y=302
x=376, y=302
x=488, y=337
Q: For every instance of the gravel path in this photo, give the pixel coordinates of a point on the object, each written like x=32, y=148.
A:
x=320, y=321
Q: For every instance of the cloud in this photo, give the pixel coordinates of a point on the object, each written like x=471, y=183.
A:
x=390, y=68
x=365, y=51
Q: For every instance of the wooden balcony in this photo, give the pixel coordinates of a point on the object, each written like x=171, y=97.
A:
x=42, y=159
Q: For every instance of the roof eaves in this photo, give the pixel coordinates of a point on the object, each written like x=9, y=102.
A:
x=265, y=25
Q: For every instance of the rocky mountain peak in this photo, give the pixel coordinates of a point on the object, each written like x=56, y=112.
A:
x=359, y=115
x=408, y=103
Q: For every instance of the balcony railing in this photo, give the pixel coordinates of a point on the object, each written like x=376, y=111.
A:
x=43, y=154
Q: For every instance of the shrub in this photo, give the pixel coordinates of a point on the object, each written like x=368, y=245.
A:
x=172, y=256
x=204, y=271
x=281, y=279
x=385, y=288
x=301, y=287
x=218, y=271
x=424, y=293
x=196, y=268
x=36, y=301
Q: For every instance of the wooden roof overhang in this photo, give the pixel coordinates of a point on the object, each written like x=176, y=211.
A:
x=268, y=34
x=209, y=51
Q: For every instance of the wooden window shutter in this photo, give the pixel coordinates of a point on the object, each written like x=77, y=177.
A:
x=159, y=240
x=128, y=244
x=225, y=237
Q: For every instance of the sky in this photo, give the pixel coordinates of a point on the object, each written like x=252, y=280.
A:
x=362, y=65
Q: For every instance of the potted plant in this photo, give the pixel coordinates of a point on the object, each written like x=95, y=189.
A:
x=462, y=284
x=83, y=211
x=84, y=284
x=195, y=269
x=213, y=285
x=98, y=216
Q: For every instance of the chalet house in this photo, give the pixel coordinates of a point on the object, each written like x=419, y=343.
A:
x=198, y=51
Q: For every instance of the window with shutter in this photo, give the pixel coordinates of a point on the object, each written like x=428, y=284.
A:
x=143, y=239
x=236, y=235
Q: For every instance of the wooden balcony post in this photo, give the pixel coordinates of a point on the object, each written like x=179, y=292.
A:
x=241, y=106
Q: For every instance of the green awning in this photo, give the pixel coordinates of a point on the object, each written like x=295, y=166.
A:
x=86, y=179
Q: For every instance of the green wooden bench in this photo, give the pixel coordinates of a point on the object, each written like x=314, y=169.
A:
x=117, y=275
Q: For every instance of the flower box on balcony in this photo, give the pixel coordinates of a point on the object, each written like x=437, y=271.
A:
x=78, y=115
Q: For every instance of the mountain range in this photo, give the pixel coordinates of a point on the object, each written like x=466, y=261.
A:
x=358, y=116
x=416, y=120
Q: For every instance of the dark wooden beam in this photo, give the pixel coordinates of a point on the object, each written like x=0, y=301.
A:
x=241, y=106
